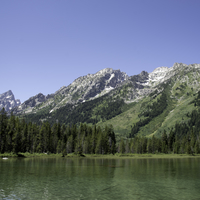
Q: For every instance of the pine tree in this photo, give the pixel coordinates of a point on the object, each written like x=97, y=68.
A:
x=149, y=146
x=93, y=140
x=10, y=130
x=164, y=142
x=24, y=137
x=127, y=146
x=171, y=140
x=99, y=146
x=17, y=137
x=55, y=133
x=86, y=145
x=144, y=144
x=113, y=148
x=3, y=130
x=122, y=146
x=69, y=145
x=196, y=148
x=59, y=148
x=176, y=145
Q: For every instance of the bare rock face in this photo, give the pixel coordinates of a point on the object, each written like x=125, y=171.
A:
x=8, y=101
x=102, y=82
x=90, y=86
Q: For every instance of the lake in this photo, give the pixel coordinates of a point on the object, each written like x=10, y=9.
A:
x=96, y=178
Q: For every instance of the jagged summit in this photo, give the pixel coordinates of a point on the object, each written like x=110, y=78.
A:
x=8, y=101
x=108, y=70
x=106, y=81
x=162, y=74
x=81, y=89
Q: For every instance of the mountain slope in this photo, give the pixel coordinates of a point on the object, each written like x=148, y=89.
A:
x=143, y=104
x=180, y=85
x=82, y=89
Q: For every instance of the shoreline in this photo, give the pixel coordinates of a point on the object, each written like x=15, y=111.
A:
x=96, y=156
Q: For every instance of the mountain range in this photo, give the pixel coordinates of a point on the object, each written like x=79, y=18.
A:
x=143, y=104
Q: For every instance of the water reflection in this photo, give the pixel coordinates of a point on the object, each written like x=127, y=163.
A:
x=61, y=178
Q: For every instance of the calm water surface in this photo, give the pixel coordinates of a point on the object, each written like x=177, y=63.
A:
x=62, y=178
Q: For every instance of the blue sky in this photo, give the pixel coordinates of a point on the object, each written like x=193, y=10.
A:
x=46, y=44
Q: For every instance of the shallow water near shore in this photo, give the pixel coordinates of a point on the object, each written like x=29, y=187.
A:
x=86, y=178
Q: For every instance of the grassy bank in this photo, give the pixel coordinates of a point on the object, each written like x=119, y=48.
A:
x=110, y=156
x=143, y=156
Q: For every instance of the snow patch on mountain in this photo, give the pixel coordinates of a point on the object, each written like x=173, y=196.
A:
x=161, y=74
x=112, y=75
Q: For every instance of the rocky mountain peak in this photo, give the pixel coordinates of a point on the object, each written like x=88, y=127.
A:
x=95, y=85
x=100, y=83
x=8, y=101
x=160, y=70
x=178, y=65
x=81, y=89
x=106, y=70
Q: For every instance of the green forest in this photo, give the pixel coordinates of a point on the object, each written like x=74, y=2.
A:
x=17, y=135
x=100, y=109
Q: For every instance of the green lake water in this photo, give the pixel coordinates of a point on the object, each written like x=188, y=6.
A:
x=83, y=178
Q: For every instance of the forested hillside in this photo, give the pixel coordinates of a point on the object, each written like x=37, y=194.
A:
x=100, y=109
x=18, y=136
x=146, y=104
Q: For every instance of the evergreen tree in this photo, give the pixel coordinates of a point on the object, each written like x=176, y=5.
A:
x=86, y=145
x=197, y=148
x=59, y=147
x=121, y=146
x=171, y=140
x=10, y=130
x=164, y=142
x=99, y=145
x=93, y=140
x=17, y=138
x=69, y=145
x=144, y=144
x=127, y=146
x=149, y=146
x=24, y=137
x=3, y=130
x=176, y=145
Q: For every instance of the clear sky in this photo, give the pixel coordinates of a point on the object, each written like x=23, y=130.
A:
x=46, y=44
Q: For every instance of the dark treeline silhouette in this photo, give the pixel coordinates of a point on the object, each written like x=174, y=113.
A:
x=184, y=137
x=18, y=136
x=171, y=143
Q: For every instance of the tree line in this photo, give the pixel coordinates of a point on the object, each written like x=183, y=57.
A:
x=18, y=136
x=168, y=143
